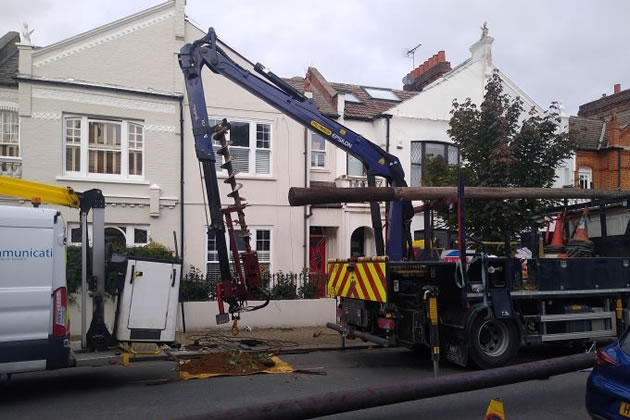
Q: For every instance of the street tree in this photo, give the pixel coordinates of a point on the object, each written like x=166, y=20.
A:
x=500, y=146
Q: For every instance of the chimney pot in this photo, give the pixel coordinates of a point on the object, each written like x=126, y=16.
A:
x=617, y=88
x=441, y=56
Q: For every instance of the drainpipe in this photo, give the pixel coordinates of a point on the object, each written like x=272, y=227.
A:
x=619, y=168
x=181, y=176
x=307, y=208
x=387, y=203
x=387, y=119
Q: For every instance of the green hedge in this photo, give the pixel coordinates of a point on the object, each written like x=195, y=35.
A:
x=73, y=263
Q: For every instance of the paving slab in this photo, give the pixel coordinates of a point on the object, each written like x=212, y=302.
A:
x=284, y=340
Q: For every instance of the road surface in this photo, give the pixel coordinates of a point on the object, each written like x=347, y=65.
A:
x=118, y=392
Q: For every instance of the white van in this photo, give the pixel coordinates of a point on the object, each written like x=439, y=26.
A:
x=34, y=323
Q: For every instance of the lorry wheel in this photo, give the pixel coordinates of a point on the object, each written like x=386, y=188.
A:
x=493, y=342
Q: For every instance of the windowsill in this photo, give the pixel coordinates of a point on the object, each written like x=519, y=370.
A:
x=249, y=177
x=101, y=180
x=320, y=170
x=11, y=158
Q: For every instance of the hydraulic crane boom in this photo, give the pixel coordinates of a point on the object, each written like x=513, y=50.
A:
x=282, y=96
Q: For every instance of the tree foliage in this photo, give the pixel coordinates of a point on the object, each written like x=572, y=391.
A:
x=500, y=146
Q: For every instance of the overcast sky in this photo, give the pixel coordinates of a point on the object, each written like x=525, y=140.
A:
x=572, y=51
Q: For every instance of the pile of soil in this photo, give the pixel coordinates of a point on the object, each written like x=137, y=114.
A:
x=229, y=363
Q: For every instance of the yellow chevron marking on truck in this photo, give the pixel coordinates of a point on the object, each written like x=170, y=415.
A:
x=363, y=280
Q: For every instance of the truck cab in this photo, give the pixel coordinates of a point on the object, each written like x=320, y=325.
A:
x=34, y=325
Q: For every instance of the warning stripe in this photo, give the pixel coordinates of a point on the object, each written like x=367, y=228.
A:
x=378, y=274
x=365, y=274
x=362, y=289
x=345, y=284
x=339, y=273
x=364, y=280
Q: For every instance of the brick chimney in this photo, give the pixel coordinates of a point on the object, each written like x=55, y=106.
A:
x=314, y=79
x=614, y=130
x=617, y=88
x=433, y=68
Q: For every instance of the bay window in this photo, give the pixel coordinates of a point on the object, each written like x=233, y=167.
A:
x=103, y=148
x=260, y=241
x=250, y=147
x=9, y=134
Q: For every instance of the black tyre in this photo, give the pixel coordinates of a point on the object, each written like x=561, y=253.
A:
x=493, y=342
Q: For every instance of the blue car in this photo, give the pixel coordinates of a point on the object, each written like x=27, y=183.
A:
x=608, y=386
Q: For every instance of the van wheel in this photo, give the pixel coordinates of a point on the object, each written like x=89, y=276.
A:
x=493, y=342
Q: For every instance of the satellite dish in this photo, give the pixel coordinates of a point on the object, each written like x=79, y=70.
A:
x=408, y=80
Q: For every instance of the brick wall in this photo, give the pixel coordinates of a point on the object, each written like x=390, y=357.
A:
x=604, y=164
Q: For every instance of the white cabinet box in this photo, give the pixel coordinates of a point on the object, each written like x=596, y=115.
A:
x=147, y=307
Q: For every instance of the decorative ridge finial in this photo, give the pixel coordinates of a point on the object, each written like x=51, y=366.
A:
x=484, y=30
x=26, y=34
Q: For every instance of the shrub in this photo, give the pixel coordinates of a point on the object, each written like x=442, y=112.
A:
x=284, y=286
x=195, y=288
x=73, y=263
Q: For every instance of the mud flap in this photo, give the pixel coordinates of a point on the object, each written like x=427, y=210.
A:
x=453, y=346
x=502, y=303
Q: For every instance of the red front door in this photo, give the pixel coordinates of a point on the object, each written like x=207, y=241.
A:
x=317, y=263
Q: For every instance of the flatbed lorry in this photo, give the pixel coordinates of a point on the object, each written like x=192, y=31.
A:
x=480, y=310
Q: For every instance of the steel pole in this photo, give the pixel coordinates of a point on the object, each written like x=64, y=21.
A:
x=358, y=399
x=302, y=196
x=84, y=264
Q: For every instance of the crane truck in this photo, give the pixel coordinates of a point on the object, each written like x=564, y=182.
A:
x=488, y=306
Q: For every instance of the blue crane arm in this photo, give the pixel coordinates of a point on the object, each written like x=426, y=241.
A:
x=280, y=95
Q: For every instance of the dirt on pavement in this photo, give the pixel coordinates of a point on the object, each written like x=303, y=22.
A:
x=227, y=363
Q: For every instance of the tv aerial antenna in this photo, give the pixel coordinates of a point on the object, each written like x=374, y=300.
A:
x=411, y=52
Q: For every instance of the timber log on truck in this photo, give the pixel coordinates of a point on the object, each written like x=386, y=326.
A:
x=473, y=307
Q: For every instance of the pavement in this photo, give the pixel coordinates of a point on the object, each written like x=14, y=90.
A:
x=285, y=340
x=280, y=340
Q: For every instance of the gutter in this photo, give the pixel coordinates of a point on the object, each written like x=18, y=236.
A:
x=97, y=86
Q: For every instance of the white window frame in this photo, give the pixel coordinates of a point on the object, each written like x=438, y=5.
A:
x=127, y=230
x=17, y=134
x=252, y=231
x=585, y=176
x=321, y=152
x=84, y=148
x=253, y=147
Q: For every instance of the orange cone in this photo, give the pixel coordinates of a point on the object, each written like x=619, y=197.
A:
x=558, y=233
x=581, y=233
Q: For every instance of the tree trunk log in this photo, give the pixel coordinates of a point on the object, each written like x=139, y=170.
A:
x=303, y=196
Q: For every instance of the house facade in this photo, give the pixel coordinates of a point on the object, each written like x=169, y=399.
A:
x=107, y=109
x=411, y=124
x=601, y=131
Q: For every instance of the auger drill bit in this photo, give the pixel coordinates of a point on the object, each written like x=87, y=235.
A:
x=239, y=202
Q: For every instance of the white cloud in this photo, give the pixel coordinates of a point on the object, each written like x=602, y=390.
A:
x=565, y=50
